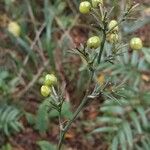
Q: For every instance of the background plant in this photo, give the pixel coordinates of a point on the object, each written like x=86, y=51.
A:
x=48, y=30
x=111, y=30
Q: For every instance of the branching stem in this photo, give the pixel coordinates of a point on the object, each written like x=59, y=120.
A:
x=80, y=107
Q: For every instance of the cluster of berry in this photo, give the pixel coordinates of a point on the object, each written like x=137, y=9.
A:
x=113, y=37
x=49, y=81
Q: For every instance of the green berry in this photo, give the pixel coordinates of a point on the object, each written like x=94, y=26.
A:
x=93, y=42
x=45, y=91
x=95, y=3
x=14, y=28
x=113, y=25
x=113, y=38
x=85, y=7
x=136, y=43
x=50, y=80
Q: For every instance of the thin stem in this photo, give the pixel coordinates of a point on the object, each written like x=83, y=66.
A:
x=104, y=30
x=80, y=107
x=101, y=47
x=71, y=121
x=60, y=126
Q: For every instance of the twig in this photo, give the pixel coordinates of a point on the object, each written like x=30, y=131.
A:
x=32, y=46
x=32, y=82
x=72, y=6
x=101, y=48
x=103, y=41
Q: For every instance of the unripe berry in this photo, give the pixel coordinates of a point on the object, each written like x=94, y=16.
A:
x=113, y=25
x=45, y=91
x=14, y=28
x=85, y=7
x=113, y=38
x=93, y=42
x=95, y=3
x=136, y=43
x=50, y=80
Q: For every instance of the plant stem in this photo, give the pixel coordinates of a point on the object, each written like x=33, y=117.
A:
x=80, y=107
x=101, y=47
x=63, y=132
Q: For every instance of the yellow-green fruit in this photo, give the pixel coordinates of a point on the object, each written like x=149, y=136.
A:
x=14, y=28
x=95, y=3
x=113, y=25
x=113, y=38
x=136, y=43
x=50, y=80
x=93, y=42
x=45, y=90
x=85, y=7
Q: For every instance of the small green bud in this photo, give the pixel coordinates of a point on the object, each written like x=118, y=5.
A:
x=93, y=42
x=85, y=7
x=95, y=3
x=136, y=43
x=50, y=80
x=45, y=90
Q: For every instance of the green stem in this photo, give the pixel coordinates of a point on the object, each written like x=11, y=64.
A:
x=71, y=121
x=80, y=107
x=101, y=47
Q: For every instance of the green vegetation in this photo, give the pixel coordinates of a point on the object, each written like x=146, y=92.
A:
x=74, y=75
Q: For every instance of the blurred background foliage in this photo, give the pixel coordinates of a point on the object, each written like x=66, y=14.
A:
x=49, y=28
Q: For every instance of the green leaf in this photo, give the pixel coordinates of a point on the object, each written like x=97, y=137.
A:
x=146, y=52
x=45, y=145
x=122, y=140
x=42, y=119
x=138, y=147
x=30, y=118
x=105, y=129
x=53, y=113
x=143, y=116
x=142, y=65
x=111, y=120
x=66, y=110
x=134, y=58
x=145, y=145
x=3, y=75
x=115, y=143
x=9, y=119
x=7, y=147
x=27, y=49
x=126, y=58
x=136, y=122
x=128, y=133
x=112, y=109
x=49, y=17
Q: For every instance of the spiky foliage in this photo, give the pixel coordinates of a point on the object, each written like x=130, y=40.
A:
x=125, y=122
x=9, y=119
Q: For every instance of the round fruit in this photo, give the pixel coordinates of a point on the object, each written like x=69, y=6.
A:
x=50, y=80
x=136, y=43
x=113, y=25
x=113, y=38
x=93, y=42
x=85, y=7
x=14, y=28
x=95, y=3
x=45, y=91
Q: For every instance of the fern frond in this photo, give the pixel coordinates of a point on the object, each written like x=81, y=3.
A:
x=9, y=119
